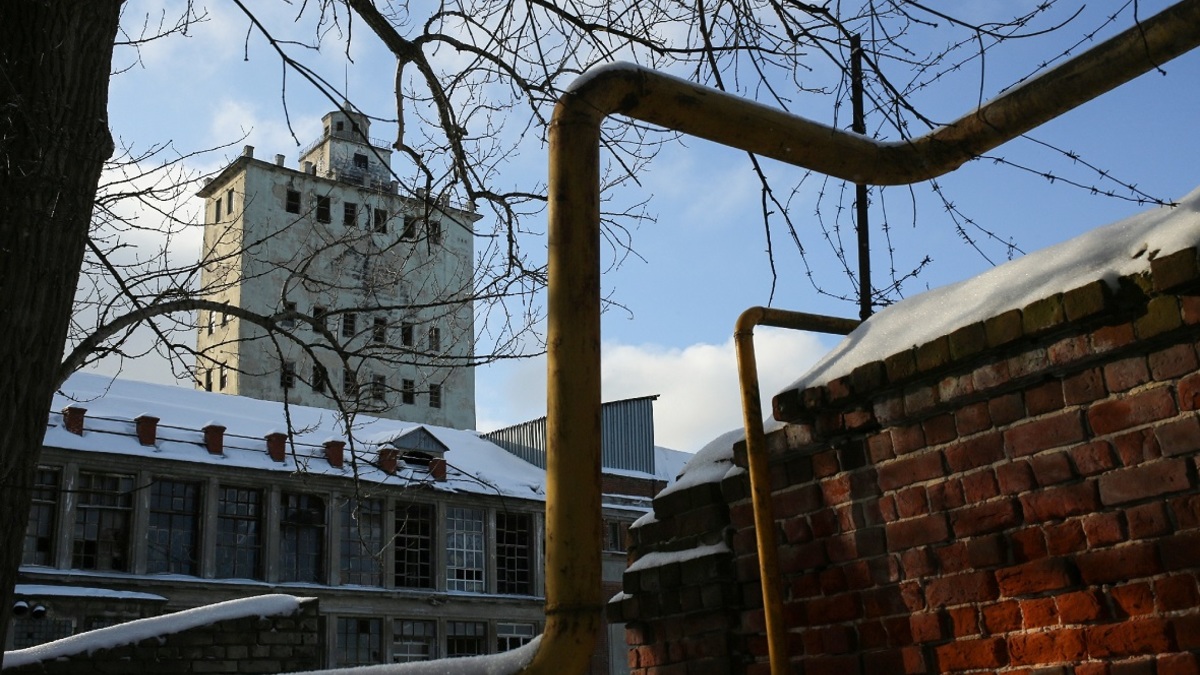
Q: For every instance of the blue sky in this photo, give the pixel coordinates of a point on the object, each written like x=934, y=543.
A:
x=702, y=261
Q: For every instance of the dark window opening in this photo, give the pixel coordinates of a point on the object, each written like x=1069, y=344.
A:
x=512, y=635
x=381, y=217
x=293, y=201
x=323, y=210
x=349, y=324
x=172, y=535
x=217, y=211
x=302, y=538
x=40, y=532
x=378, y=387
x=465, y=555
x=360, y=160
x=414, y=546
x=288, y=320
x=514, y=532
x=414, y=641
x=362, y=542
x=615, y=532
x=435, y=339
x=465, y=638
x=434, y=229
x=102, y=520
x=409, y=232
x=379, y=330
x=320, y=318
x=229, y=202
x=408, y=392
x=359, y=641
x=350, y=214
x=287, y=375
x=239, y=528
x=435, y=396
x=406, y=334
x=320, y=378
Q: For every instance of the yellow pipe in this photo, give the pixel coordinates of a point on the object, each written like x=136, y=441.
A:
x=573, y=603
x=756, y=456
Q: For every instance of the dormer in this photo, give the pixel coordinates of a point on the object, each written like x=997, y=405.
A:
x=420, y=450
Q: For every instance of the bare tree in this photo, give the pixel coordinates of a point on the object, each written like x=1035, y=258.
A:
x=461, y=121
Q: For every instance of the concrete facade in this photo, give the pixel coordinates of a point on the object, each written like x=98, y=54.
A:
x=369, y=290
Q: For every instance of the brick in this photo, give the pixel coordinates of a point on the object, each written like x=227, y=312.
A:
x=952, y=558
x=1175, y=270
x=1052, y=468
x=992, y=516
x=1028, y=363
x=906, y=439
x=964, y=621
x=985, y=653
x=1178, y=664
x=972, y=418
x=1174, y=361
x=1039, y=613
x=1002, y=617
x=919, y=399
x=1148, y=520
x=933, y=355
x=1189, y=392
x=1134, y=561
x=979, y=486
x=1042, y=315
x=985, y=552
x=908, y=470
x=1045, y=397
x=1087, y=300
x=1060, y=502
x=958, y=589
x=1053, y=646
x=1006, y=409
x=1186, y=511
x=928, y=626
x=1108, y=338
x=1134, y=599
x=1176, y=592
x=1003, y=328
x=1126, y=374
x=975, y=452
x=1135, y=447
x=1048, y=432
x=946, y=495
x=1162, y=315
x=968, y=341
x=879, y=447
x=1178, y=437
x=911, y=502
x=1144, y=481
x=1069, y=350
x=1143, y=666
x=939, y=429
x=1187, y=631
x=1084, y=387
x=1065, y=537
x=1080, y=607
x=1093, y=458
x=1047, y=574
x=917, y=532
x=1128, y=638
x=1116, y=415
x=1103, y=529
x=1015, y=477
x=1028, y=544
x=901, y=365
x=1181, y=551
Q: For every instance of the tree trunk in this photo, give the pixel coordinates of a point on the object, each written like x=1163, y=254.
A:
x=55, y=60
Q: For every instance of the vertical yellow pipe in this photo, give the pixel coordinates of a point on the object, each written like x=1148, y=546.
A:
x=574, y=606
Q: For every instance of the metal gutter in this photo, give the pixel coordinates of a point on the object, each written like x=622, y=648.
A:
x=574, y=606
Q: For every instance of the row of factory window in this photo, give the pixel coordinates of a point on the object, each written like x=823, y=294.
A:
x=349, y=326
x=360, y=640
x=354, y=215
x=273, y=535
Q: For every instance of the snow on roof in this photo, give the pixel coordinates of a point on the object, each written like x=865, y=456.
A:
x=506, y=663
x=48, y=591
x=668, y=463
x=142, y=629
x=1106, y=253
x=474, y=465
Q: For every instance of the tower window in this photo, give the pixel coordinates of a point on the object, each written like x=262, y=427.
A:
x=435, y=396
x=288, y=321
x=293, y=201
x=350, y=214
x=208, y=379
x=349, y=321
x=378, y=387
x=406, y=334
x=408, y=392
x=229, y=202
x=217, y=212
x=435, y=339
x=379, y=331
x=434, y=228
x=323, y=210
x=224, y=378
x=349, y=383
x=360, y=160
x=410, y=229
x=340, y=126
x=320, y=314
x=381, y=216
x=319, y=378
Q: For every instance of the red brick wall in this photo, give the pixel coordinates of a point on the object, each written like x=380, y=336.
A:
x=1019, y=496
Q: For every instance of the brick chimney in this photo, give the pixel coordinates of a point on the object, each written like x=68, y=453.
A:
x=333, y=453
x=387, y=459
x=277, y=446
x=73, y=419
x=214, y=439
x=437, y=469
x=147, y=429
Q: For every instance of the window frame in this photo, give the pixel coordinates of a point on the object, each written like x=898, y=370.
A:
x=350, y=214
x=415, y=545
x=179, y=523
x=108, y=506
x=435, y=395
x=292, y=202
x=324, y=209
x=41, y=530
x=302, y=524
x=466, y=549
x=239, y=550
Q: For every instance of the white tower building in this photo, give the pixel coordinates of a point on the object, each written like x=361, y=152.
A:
x=371, y=288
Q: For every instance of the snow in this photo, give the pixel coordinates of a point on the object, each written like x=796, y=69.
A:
x=660, y=558
x=493, y=664
x=1106, y=253
x=47, y=591
x=113, y=404
x=153, y=627
x=709, y=465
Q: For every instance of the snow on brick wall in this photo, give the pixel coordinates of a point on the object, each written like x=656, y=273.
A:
x=1020, y=495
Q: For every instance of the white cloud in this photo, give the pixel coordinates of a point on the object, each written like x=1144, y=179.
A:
x=697, y=385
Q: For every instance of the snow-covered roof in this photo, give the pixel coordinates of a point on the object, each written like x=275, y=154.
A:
x=1104, y=254
x=473, y=464
x=142, y=629
x=49, y=591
